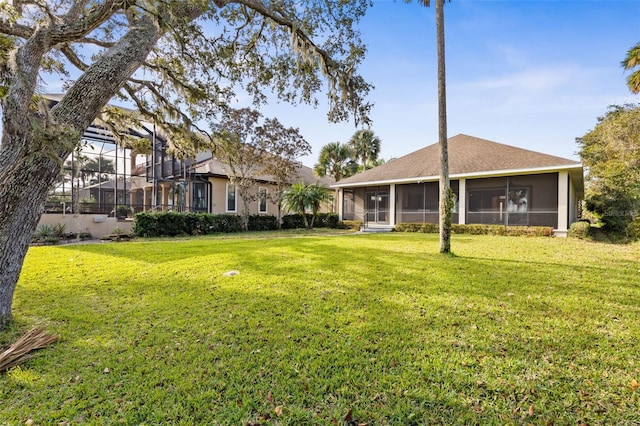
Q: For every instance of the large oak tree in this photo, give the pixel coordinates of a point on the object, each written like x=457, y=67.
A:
x=178, y=61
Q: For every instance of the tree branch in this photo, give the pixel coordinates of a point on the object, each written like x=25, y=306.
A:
x=300, y=41
x=73, y=58
x=74, y=30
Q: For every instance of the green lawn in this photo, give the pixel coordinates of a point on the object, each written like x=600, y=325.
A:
x=509, y=331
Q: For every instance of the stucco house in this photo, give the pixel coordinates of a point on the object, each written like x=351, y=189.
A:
x=492, y=183
x=86, y=199
x=201, y=185
x=156, y=180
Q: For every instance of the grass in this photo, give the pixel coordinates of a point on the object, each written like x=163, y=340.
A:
x=317, y=329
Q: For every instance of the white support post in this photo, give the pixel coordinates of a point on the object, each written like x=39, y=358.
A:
x=462, y=201
x=563, y=204
x=392, y=205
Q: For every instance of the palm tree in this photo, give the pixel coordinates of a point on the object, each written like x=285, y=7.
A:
x=378, y=162
x=317, y=195
x=335, y=161
x=296, y=199
x=445, y=204
x=365, y=146
x=299, y=197
x=632, y=61
x=99, y=167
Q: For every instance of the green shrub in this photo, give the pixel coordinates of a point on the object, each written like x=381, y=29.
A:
x=123, y=211
x=225, y=223
x=326, y=220
x=192, y=223
x=430, y=228
x=350, y=224
x=579, y=230
x=261, y=222
x=541, y=231
x=332, y=220
x=145, y=224
x=48, y=234
x=44, y=231
x=294, y=221
x=478, y=229
x=171, y=223
x=408, y=227
x=320, y=221
x=425, y=228
x=59, y=230
x=117, y=231
x=633, y=229
x=474, y=229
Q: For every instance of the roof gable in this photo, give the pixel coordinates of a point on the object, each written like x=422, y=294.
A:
x=467, y=155
x=214, y=167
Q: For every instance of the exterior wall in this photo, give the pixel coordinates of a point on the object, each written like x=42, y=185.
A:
x=210, y=197
x=97, y=225
x=218, y=195
x=523, y=200
x=219, y=198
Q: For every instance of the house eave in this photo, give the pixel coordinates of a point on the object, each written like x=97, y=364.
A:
x=493, y=173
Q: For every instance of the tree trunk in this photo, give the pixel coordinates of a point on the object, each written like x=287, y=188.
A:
x=303, y=212
x=279, y=214
x=444, y=202
x=22, y=207
x=34, y=148
x=245, y=212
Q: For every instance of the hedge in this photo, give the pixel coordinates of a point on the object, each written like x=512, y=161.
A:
x=477, y=229
x=579, y=230
x=323, y=220
x=261, y=222
x=355, y=225
x=171, y=224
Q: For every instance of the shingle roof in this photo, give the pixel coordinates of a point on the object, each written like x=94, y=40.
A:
x=213, y=166
x=467, y=155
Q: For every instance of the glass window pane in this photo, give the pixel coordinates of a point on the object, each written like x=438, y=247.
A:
x=231, y=198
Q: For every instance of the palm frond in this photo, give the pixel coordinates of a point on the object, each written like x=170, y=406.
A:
x=20, y=351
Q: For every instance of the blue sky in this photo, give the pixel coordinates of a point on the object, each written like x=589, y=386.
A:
x=530, y=73
x=534, y=74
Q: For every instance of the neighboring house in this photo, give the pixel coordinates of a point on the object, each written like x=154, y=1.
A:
x=153, y=182
x=201, y=185
x=492, y=183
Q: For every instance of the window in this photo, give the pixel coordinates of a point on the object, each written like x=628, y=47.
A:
x=231, y=198
x=529, y=200
x=348, y=204
x=262, y=200
x=199, y=196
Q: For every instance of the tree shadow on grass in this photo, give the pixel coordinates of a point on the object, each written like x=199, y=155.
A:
x=397, y=335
